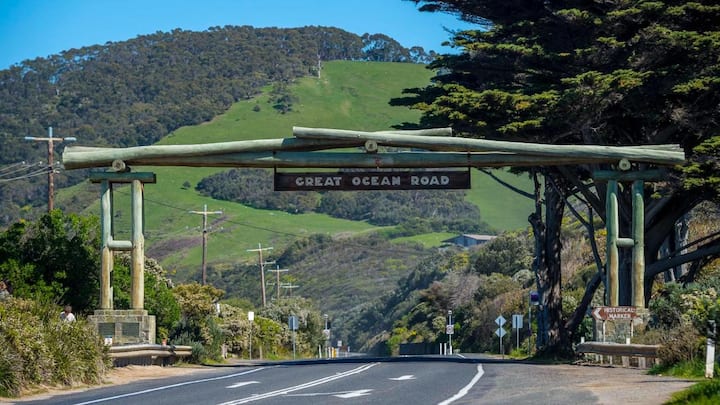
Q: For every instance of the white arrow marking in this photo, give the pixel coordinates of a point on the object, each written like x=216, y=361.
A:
x=340, y=394
x=403, y=377
x=353, y=394
x=242, y=384
x=596, y=313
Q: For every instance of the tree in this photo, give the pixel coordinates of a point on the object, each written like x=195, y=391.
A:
x=159, y=298
x=58, y=256
x=617, y=73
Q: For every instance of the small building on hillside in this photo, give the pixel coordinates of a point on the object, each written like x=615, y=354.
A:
x=470, y=239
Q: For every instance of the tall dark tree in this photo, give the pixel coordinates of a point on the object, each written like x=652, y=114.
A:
x=58, y=257
x=588, y=72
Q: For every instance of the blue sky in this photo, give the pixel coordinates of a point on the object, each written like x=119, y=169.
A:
x=38, y=28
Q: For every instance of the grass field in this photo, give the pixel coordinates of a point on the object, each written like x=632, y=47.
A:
x=348, y=95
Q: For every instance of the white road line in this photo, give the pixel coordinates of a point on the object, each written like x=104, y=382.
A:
x=461, y=356
x=132, y=394
x=466, y=388
x=309, y=384
x=339, y=394
x=354, y=394
x=242, y=384
x=403, y=377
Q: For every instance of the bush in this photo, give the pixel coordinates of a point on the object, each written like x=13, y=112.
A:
x=38, y=348
x=680, y=345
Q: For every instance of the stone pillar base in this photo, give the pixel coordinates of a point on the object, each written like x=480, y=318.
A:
x=124, y=326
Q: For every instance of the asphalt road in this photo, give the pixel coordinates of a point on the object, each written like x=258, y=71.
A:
x=402, y=381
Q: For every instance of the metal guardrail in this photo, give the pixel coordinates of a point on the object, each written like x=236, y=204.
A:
x=643, y=353
x=148, y=354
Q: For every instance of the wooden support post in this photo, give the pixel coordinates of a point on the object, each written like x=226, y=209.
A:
x=137, y=296
x=612, y=262
x=109, y=245
x=638, y=255
x=106, y=260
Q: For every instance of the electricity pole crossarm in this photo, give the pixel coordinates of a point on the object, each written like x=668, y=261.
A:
x=277, y=272
x=289, y=286
x=205, y=213
x=50, y=152
x=260, y=250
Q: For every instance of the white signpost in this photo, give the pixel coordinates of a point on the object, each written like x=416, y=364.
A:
x=517, y=324
x=293, y=324
x=500, y=321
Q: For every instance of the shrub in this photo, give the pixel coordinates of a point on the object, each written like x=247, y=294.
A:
x=704, y=392
x=38, y=348
x=682, y=344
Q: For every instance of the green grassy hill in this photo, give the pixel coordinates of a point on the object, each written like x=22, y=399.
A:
x=348, y=95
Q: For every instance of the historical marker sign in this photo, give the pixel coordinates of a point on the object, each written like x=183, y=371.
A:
x=614, y=313
x=373, y=180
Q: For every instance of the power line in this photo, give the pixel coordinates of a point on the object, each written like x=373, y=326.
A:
x=28, y=175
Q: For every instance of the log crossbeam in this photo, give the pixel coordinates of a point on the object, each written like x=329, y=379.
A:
x=308, y=149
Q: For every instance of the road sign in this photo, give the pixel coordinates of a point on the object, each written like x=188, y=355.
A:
x=501, y=332
x=534, y=298
x=500, y=321
x=517, y=321
x=293, y=322
x=614, y=313
x=449, y=329
x=373, y=180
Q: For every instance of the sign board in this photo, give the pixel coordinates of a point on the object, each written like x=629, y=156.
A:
x=500, y=321
x=614, y=313
x=293, y=322
x=373, y=180
x=326, y=333
x=517, y=321
x=534, y=298
x=449, y=329
x=500, y=332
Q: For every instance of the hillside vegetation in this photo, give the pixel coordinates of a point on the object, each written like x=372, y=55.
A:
x=135, y=92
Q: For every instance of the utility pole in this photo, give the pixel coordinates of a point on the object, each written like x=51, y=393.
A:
x=260, y=250
x=277, y=272
x=205, y=213
x=51, y=151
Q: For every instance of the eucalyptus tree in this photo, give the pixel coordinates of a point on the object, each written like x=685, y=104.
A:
x=588, y=72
